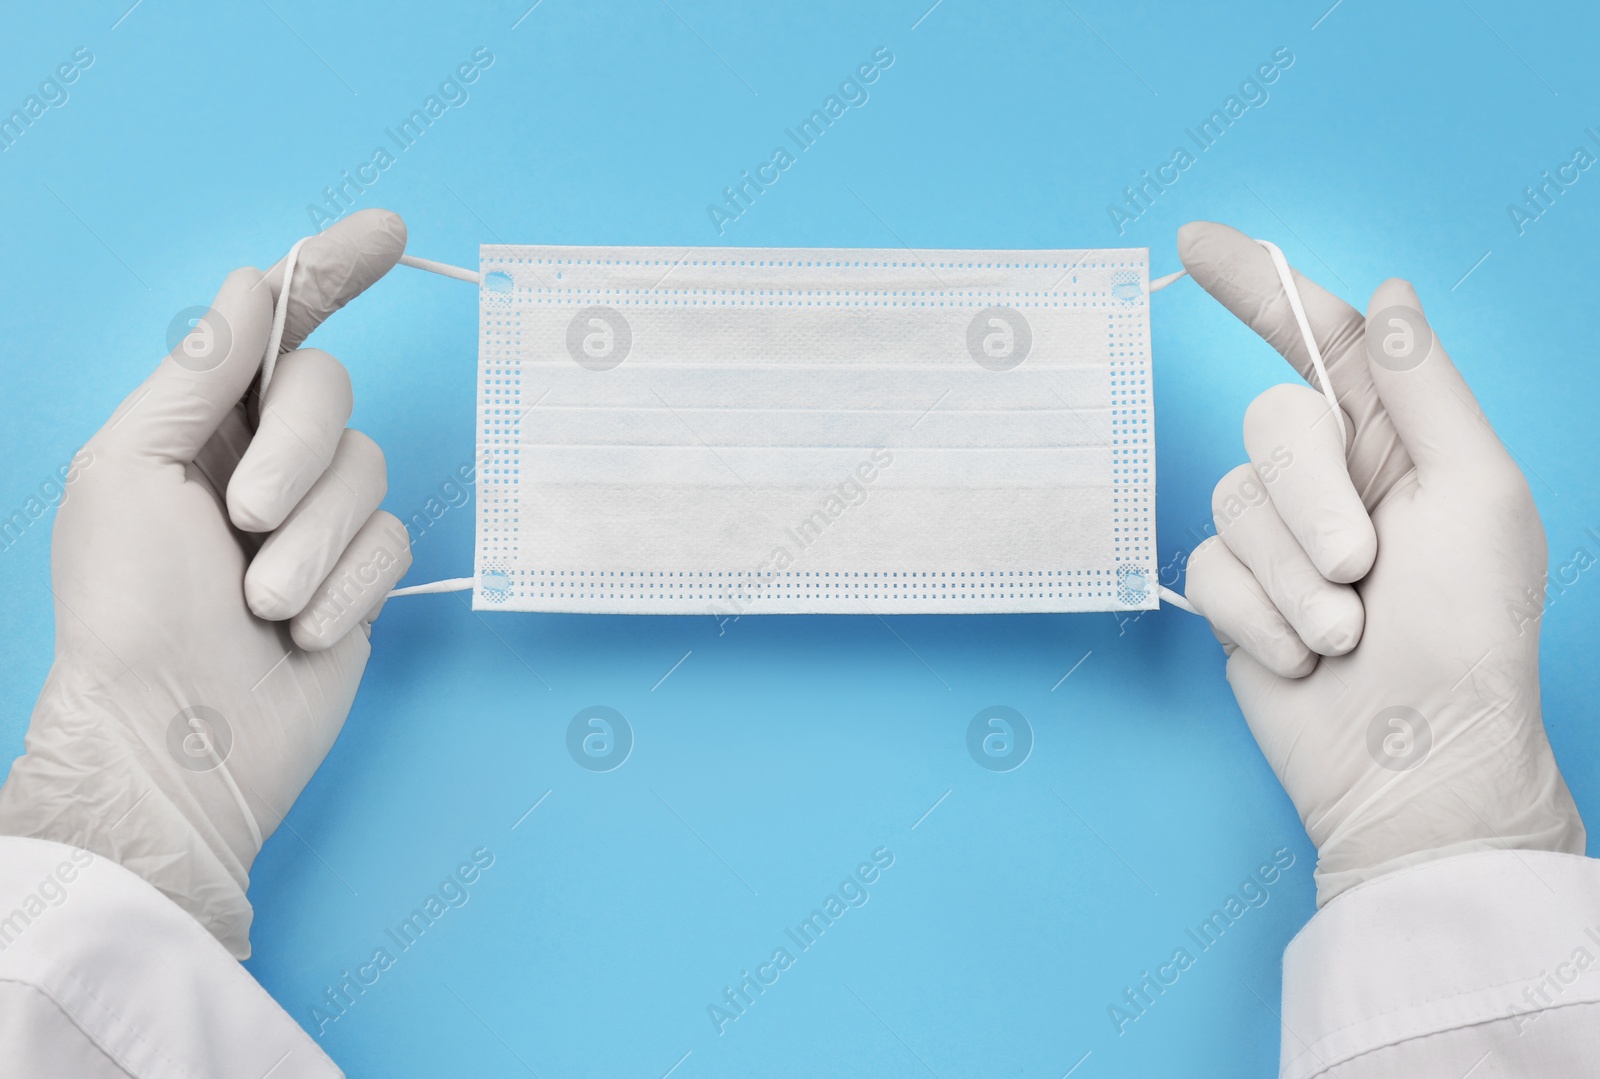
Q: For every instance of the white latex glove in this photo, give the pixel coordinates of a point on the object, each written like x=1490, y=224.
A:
x=1380, y=609
x=184, y=637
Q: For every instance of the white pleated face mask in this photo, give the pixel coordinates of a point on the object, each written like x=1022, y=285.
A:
x=734, y=431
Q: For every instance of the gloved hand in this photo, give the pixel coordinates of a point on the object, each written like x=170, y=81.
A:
x=216, y=564
x=1379, y=606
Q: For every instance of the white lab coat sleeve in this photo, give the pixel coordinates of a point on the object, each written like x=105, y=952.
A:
x=103, y=977
x=1485, y=964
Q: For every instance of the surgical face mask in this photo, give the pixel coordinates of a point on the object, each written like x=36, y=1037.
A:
x=738, y=431
x=733, y=431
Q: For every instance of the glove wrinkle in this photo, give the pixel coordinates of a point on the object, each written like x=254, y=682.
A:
x=88, y=779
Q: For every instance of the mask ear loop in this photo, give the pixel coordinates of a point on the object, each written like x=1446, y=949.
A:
x=1318, y=366
x=198, y=730
x=1324, y=383
x=280, y=313
x=1169, y=595
x=444, y=269
x=280, y=317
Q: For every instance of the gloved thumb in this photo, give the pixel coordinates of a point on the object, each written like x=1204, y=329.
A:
x=1434, y=412
x=177, y=409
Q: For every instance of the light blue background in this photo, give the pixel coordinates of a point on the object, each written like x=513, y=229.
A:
x=780, y=753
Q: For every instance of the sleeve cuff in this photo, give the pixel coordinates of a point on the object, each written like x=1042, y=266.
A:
x=121, y=977
x=89, y=786
x=1437, y=947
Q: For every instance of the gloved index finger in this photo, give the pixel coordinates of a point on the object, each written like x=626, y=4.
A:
x=334, y=267
x=1239, y=273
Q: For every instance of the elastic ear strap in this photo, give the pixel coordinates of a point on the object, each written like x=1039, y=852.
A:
x=1324, y=383
x=1177, y=599
x=198, y=727
x=280, y=313
x=444, y=269
x=1169, y=595
x=280, y=316
x=449, y=584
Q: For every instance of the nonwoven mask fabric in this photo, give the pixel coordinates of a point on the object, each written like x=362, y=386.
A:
x=733, y=431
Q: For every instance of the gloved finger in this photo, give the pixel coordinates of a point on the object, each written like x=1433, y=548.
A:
x=1225, y=591
x=334, y=267
x=302, y=419
x=1313, y=492
x=377, y=608
x=1269, y=704
x=1438, y=418
x=297, y=557
x=1229, y=645
x=1328, y=617
x=177, y=409
x=1239, y=273
x=222, y=452
x=376, y=558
